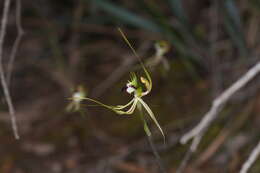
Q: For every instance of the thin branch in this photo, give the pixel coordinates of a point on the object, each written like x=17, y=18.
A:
x=188, y=155
x=156, y=154
x=252, y=158
x=20, y=32
x=184, y=161
x=197, y=132
x=2, y=75
x=219, y=103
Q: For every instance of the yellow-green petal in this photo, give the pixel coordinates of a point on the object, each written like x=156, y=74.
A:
x=151, y=114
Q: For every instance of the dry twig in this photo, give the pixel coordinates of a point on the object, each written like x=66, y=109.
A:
x=219, y=103
x=197, y=132
x=225, y=133
x=252, y=158
x=2, y=75
x=17, y=41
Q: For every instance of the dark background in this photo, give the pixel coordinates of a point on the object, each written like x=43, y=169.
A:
x=70, y=43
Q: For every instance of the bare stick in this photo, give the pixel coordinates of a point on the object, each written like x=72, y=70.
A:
x=16, y=43
x=2, y=75
x=188, y=155
x=197, y=132
x=184, y=161
x=252, y=158
x=218, y=104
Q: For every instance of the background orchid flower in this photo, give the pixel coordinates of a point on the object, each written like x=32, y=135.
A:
x=161, y=47
x=77, y=97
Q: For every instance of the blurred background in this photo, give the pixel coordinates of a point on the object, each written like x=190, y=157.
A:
x=208, y=45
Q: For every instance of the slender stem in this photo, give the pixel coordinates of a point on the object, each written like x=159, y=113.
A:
x=151, y=114
x=185, y=161
x=252, y=158
x=2, y=75
x=150, y=140
x=16, y=43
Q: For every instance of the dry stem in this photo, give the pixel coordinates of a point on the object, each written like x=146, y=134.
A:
x=2, y=75
x=252, y=158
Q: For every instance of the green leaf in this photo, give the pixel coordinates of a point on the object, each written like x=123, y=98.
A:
x=125, y=15
x=233, y=25
x=178, y=10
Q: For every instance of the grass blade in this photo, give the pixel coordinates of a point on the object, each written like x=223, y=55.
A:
x=125, y=16
x=178, y=11
x=233, y=25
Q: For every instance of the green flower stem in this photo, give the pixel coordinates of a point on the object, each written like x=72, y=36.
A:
x=149, y=111
x=146, y=128
x=135, y=53
x=150, y=140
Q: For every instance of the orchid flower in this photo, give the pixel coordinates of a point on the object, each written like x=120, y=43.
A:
x=138, y=88
x=76, y=99
x=161, y=47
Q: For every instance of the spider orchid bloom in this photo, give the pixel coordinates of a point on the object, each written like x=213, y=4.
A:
x=135, y=87
x=161, y=47
x=77, y=97
x=131, y=86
